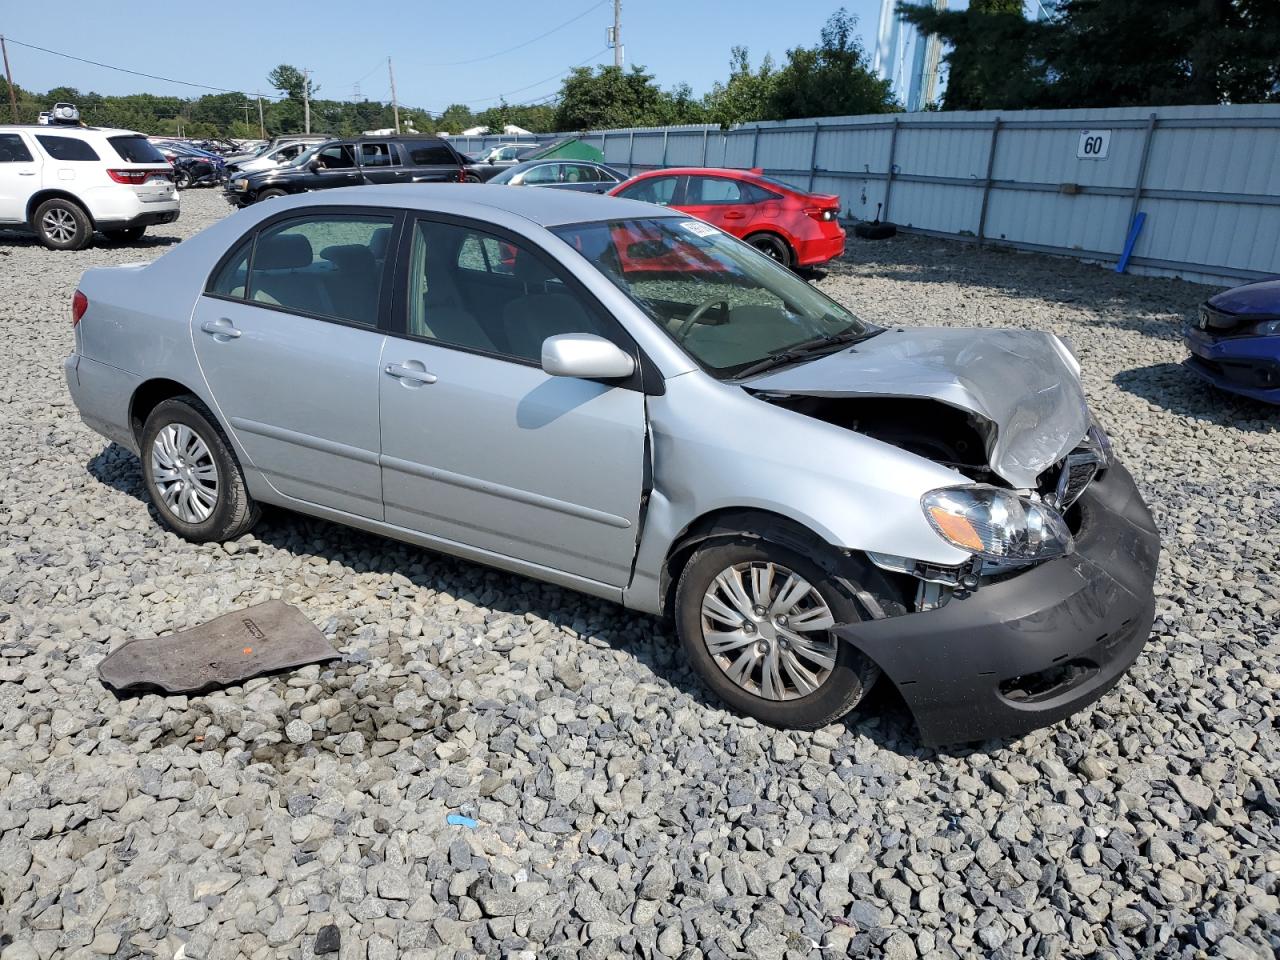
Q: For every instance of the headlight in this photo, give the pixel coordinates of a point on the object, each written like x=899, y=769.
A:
x=241, y=184
x=1268, y=328
x=996, y=524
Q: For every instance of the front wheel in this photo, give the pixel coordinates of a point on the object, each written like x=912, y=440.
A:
x=270, y=194
x=192, y=475
x=182, y=179
x=755, y=619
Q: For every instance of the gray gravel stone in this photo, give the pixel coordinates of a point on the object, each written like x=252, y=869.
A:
x=618, y=811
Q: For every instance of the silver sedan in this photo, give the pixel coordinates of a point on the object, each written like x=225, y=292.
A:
x=615, y=398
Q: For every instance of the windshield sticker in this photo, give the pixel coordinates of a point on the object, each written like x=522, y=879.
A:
x=698, y=228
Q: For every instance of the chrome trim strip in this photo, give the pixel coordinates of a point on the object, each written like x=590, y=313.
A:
x=359, y=454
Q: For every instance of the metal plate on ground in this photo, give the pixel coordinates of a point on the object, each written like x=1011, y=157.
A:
x=233, y=648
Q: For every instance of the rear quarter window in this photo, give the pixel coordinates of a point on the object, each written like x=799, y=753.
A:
x=67, y=148
x=136, y=150
x=424, y=153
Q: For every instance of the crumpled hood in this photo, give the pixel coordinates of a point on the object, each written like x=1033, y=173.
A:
x=1022, y=382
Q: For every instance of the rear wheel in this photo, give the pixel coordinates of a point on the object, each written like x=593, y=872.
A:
x=755, y=619
x=182, y=179
x=125, y=234
x=192, y=475
x=772, y=246
x=62, y=225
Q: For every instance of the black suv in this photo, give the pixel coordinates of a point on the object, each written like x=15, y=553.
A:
x=347, y=163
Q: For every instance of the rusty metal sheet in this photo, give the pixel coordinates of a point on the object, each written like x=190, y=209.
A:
x=230, y=649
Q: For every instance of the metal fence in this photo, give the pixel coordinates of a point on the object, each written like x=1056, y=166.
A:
x=1202, y=184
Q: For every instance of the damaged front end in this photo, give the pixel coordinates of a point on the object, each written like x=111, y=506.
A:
x=1056, y=598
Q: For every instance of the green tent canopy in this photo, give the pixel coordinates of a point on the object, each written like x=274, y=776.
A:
x=570, y=148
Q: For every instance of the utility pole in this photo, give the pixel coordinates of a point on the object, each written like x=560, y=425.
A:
x=615, y=37
x=262, y=129
x=306, y=100
x=8, y=75
x=395, y=106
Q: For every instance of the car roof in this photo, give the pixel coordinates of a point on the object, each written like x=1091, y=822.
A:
x=530, y=164
x=65, y=128
x=547, y=208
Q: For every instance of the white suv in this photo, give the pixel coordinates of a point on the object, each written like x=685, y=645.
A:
x=62, y=183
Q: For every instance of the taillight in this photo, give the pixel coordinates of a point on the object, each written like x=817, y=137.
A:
x=137, y=177
x=79, y=304
x=462, y=175
x=822, y=213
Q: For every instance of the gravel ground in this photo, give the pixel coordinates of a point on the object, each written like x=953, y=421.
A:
x=619, y=812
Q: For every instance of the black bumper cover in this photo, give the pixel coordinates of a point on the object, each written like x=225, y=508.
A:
x=1028, y=651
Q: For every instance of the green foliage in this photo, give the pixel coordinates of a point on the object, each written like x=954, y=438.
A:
x=291, y=81
x=746, y=95
x=1107, y=53
x=831, y=79
x=612, y=97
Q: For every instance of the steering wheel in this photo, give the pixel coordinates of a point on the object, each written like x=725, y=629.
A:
x=697, y=315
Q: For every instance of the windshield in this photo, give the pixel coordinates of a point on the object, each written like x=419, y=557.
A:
x=729, y=306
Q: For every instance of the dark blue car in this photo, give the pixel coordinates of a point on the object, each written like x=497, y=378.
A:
x=1235, y=341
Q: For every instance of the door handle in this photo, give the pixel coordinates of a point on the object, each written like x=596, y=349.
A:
x=220, y=328
x=26, y=173
x=733, y=215
x=401, y=372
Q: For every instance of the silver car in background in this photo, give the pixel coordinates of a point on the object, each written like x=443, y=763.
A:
x=604, y=395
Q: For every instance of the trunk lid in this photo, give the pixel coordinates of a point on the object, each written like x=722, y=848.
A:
x=1022, y=383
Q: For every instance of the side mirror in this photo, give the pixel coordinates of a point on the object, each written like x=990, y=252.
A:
x=491, y=161
x=586, y=356
x=315, y=166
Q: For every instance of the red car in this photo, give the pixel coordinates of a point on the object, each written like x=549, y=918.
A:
x=795, y=228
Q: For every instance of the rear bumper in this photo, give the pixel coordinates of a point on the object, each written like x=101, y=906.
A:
x=1248, y=366
x=147, y=219
x=820, y=250
x=102, y=394
x=1033, y=649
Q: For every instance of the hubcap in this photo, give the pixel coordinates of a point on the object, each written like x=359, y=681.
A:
x=769, y=630
x=184, y=473
x=59, y=225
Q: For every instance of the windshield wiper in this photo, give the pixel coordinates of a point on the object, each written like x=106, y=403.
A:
x=806, y=348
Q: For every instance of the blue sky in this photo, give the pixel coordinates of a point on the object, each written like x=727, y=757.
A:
x=678, y=40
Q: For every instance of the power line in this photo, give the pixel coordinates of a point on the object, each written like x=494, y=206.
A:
x=490, y=56
x=537, y=83
x=136, y=73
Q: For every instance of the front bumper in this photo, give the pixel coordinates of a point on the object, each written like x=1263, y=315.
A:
x=1027, y=651
x=1248, y=366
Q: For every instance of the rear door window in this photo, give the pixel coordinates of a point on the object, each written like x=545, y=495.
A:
x=321, y=266
x=378, y=155
x=136, y=150
x=68, y=149
x=712, y=190
x=13, y=150
x=543, y=173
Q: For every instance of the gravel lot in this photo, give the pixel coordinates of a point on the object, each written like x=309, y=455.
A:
x=620, y=813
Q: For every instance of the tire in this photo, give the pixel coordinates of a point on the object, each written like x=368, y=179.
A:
x=62, y=225
x=772, y=246
x=125, y=235
x=472, y=178
x=226, y=514
x=874, y=230
x=270, y=194
x=181, y=179
x=840, y=687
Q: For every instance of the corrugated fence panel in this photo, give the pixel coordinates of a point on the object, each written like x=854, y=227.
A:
x=1210, y=186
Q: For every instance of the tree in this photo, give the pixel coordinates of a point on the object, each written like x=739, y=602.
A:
x=456, y=118
x=292, y=82
x=747, y=94
x=1126, y=52
x=830, y=79
x=994, y=58
x=611, y=97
